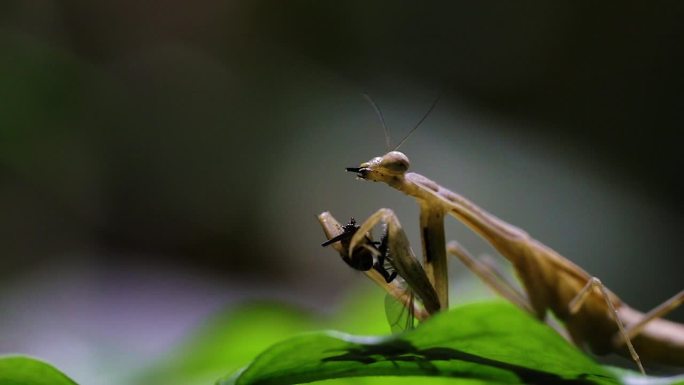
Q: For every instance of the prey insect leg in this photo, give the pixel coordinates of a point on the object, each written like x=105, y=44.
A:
x=382, y=258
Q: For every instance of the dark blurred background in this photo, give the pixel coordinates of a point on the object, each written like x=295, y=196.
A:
x=159, y=160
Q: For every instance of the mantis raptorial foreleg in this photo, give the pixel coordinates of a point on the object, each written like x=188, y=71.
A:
x=402, y=258
x=401, y=255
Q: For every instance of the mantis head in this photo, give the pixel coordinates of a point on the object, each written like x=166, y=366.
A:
x=392, y=165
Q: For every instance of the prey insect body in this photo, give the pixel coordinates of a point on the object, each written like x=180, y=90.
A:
x=404, y=278
x=399, y=308
x=593, y=315
x=373, y=255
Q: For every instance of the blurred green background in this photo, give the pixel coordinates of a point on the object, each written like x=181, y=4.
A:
x=161, y=161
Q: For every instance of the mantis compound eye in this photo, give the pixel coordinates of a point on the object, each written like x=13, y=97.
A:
x=395, y=162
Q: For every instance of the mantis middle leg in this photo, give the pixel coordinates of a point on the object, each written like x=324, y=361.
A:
x=594, y=284
x=490, y=277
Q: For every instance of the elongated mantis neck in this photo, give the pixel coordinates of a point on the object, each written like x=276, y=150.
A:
x=406, y=184
x=422, y=188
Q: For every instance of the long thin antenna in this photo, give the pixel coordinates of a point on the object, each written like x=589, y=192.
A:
x=432, y=107
x=382, y=119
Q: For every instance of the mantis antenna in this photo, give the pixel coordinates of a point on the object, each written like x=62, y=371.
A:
x=432, y=107
x=384, y=125
x=382, y=119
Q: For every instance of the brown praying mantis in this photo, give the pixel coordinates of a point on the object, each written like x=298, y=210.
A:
x=593, y=316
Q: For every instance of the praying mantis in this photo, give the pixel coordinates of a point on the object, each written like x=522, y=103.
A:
x=593, y=316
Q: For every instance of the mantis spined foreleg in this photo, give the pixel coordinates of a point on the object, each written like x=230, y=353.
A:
x=403, y=259
x=359, y=245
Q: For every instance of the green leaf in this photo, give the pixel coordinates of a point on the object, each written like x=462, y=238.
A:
x=232, y=339
x=362, y=311
x=22, y=370
x=493, y=342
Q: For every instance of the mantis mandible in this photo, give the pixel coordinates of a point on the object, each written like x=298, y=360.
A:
x=593, y=315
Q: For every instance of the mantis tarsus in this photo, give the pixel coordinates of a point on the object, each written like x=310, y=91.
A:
x=593, y=315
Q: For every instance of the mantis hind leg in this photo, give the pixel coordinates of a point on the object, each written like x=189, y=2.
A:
x=659, y=311
x=489, y=272
x=574, y=306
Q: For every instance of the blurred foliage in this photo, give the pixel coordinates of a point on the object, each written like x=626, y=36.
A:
x=20, y=370
x=228, y=342
x=231, y=340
